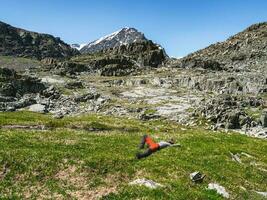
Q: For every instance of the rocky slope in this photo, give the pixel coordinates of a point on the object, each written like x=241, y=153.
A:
x=122, y=37
x=138, y=80
x=19, y=42
x=246, y=51
x=235, y=72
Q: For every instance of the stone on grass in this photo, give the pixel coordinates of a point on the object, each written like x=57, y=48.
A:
x=264, y=194
x=197, y=177
x=235, y=157
x=219, y=189
x=147, y=183
x=38, y=108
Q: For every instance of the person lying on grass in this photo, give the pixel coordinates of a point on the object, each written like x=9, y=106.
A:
x=153, y=146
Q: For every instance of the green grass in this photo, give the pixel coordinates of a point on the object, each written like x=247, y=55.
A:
x=18, y=63
x=150, y=111
x=72, y=163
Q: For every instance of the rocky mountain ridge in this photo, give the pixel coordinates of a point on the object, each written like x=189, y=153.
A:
x=22, y=43
x=246, y=51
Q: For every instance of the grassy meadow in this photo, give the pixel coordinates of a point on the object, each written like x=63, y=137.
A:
x=93, y=157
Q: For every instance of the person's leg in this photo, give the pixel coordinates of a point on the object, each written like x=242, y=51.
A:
x=145, y=154
x=143, y=141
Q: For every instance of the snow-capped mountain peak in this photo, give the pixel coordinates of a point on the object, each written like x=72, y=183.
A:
x=121, y=37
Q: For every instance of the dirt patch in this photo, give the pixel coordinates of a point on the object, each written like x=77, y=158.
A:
x=71, y=176
x=40, y=192
x=79, y=180
x=93, y=194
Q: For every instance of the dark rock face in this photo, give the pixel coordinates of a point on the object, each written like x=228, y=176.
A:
x=13, y=84
x=122, y=37
x=13, y=87
x=246, y=50
x=144, y=53
x=123, y=60
x=22, y=43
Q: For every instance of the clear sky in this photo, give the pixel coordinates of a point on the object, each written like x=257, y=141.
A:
x=180, y=26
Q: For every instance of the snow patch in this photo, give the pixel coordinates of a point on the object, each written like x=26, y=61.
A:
x=78, y=46
x=105, y=38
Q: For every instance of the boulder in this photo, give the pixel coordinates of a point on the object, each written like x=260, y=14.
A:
x=40, y=108
x=233, y=120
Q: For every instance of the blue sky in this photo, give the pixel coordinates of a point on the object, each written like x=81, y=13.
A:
x=180, y=26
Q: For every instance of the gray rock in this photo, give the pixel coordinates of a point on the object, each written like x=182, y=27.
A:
x=38, y=108
x=197, y=177
x=145, y=182
x=235, y=157
x=219, y=189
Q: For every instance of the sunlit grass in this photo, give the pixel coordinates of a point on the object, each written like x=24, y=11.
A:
x=64, y=162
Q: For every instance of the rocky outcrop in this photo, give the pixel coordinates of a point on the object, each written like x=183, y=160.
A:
x=222, y=82
x=228, y=111
x=123, y=60
x=16, y=90
x=18, y=42
x=13, y=85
